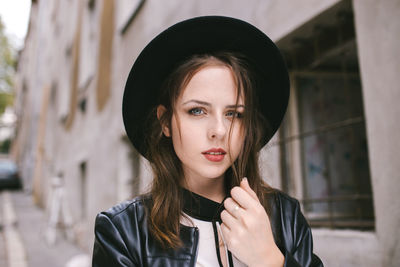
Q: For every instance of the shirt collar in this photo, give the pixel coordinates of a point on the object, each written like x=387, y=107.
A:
x=201, y=208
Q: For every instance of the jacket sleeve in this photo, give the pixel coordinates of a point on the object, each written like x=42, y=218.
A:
x=302, y=253
x=109, y=247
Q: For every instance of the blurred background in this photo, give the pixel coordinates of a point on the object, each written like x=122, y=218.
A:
x=65, y=155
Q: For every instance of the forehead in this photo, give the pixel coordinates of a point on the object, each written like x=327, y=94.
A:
x=215, y=83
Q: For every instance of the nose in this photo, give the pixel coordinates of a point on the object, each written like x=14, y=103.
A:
x=218, y=128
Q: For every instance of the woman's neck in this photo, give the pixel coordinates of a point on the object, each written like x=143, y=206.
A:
x=213, y=188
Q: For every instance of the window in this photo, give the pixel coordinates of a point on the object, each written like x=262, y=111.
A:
x=323, y=139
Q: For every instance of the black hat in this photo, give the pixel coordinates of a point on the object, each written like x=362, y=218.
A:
x=202, y=35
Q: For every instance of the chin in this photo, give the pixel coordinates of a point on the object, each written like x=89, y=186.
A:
x=214, y=172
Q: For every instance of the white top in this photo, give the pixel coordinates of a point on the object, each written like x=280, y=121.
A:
x=207, y=251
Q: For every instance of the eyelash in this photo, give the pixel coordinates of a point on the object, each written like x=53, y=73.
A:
x=237, y=115
x=193, y=110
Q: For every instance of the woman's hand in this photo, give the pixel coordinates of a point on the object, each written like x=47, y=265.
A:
x=246, y=229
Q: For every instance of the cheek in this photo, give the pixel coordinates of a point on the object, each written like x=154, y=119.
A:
x=185, y=135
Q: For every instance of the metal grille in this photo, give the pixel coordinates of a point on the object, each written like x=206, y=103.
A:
x=362, y=216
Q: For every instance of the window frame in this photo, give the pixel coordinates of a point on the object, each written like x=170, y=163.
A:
x=291, y=148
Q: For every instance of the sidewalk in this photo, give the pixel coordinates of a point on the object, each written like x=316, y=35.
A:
x=23, y=242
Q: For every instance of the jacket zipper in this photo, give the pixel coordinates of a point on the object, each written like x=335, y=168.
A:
x=196, y=245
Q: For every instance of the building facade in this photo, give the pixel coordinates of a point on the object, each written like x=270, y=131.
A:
x=336, y=150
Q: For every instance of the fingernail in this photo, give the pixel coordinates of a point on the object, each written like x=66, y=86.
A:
x=244, y=179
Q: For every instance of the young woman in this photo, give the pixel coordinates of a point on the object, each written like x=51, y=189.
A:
x=200, y=102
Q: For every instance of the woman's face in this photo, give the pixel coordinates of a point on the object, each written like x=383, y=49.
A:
x=201, y=124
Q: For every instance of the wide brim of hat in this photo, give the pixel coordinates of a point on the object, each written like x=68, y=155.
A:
x=202, y=35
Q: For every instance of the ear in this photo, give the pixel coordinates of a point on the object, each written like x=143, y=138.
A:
x=160, y=111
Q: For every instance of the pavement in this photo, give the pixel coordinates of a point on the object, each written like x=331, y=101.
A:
x=22, y=236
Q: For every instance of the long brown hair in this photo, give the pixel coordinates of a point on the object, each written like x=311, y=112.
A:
x=166, y=208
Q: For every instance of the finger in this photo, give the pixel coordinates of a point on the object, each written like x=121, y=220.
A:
x=232, y=207
x=228, y=219
x=245, y=185
x=225, y=232
x=244, y=199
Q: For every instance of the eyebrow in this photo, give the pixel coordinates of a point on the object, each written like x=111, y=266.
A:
x=208, y=104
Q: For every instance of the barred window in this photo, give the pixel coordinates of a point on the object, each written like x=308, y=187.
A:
x=323, y=139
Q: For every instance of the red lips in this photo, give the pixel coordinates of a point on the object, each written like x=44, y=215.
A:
x=214, y=154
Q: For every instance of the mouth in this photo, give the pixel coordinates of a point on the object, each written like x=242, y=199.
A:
x=214, y=154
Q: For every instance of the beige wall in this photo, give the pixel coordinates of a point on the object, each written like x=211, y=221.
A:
x=378, y=37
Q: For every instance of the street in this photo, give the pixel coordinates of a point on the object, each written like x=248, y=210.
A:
x=22, y=239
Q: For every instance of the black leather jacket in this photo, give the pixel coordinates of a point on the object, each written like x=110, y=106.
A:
x=122, y=237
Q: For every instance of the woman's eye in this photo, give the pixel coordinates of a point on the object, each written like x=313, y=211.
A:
x=234, y=114
x=196, y=111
